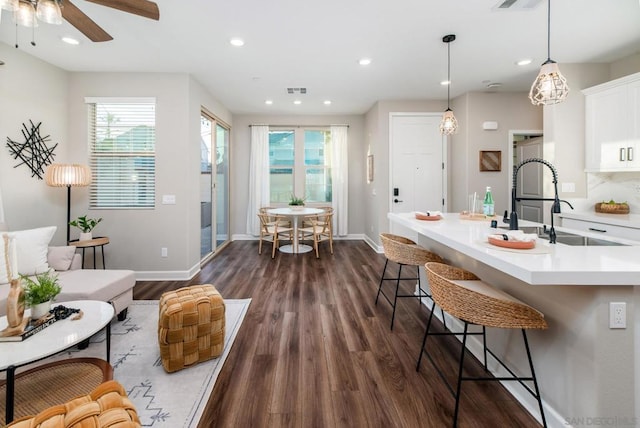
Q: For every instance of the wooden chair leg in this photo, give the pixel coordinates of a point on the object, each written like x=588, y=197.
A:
x=275, y=245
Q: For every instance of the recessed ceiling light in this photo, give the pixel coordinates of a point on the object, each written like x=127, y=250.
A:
x=327, y=102
x=525, y=61
x=297, y=102
x=445, y=83
x=70, y=41
x=237, y=41
x=365, y=61
x=268, y=102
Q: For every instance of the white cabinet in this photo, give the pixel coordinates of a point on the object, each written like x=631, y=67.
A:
x=613, y=125
x=604, y=229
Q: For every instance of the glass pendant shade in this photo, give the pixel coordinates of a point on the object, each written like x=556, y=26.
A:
x=49, y=11
x=11, y=5
x=26, y=15
x=449, y=123
x=550, y=87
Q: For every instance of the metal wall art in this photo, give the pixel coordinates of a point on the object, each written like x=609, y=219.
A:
x=34, y=152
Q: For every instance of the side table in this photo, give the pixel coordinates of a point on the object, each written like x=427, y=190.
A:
x=99, y=241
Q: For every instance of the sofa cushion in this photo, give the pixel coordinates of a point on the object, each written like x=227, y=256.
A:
x=32, y=247
x=60, y=258
x=8, y=248
x=95, y=284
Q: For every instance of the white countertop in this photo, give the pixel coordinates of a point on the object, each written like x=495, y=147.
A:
x=625, y=220
x=562, y=265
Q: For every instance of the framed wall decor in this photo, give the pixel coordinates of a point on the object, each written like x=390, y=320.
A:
x=369, y=168
x=490, y=160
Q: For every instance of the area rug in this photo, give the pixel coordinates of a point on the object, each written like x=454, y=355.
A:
x=161, y=399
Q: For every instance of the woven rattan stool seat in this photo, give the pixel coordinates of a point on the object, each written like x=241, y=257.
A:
x=404, y=251
x=106, y=406
x=191, y=326
x=464, y=296
x=473, y=301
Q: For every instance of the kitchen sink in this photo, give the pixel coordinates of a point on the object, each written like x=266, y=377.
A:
x=567, y=238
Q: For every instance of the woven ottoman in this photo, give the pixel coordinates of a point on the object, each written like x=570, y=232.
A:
x=190, y=326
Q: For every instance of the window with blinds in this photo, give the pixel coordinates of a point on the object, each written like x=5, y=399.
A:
x=122, y=140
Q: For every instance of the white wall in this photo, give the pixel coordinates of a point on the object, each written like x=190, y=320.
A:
x=241, y=150
x=31, y=89
x=138, y=235
x=512, y=111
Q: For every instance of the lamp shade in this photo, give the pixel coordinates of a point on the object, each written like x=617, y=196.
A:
x=25, y=15
x=62, y=175
x=550, y=87
x=449, y=123
x=10, y=5
x=48, y=11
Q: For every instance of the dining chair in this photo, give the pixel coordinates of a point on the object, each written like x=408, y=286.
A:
x=271, y=230
x=282, y=221
x=319, y=230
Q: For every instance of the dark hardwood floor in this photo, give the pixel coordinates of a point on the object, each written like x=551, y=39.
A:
x=314, y=350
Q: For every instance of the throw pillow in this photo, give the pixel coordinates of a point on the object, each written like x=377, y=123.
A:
x=32, y=247
x=8, y=249
x=60, y=258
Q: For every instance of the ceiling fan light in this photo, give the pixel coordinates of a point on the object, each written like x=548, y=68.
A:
x=25, y=15
x=449, y=123
x=10, y=5
x=550, y=87
x=49, y=11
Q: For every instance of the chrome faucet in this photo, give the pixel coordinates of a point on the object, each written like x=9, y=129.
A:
x=555, y=207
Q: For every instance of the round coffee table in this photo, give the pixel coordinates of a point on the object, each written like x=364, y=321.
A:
x=57, y=337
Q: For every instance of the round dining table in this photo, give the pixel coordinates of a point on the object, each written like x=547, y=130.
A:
x=295, y=214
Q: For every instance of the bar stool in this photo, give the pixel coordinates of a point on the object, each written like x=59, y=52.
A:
x=464, y=296
x=404, y=251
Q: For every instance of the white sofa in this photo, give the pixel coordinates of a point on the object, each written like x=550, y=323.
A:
x=108, y=285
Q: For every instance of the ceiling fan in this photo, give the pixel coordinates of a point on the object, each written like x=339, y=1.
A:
x=93, y=31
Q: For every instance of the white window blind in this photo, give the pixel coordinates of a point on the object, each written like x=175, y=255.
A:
x=122, y=140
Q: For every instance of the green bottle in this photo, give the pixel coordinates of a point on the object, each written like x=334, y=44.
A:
x=487, y=205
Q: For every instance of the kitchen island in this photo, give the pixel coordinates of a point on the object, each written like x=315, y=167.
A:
x=586, y=370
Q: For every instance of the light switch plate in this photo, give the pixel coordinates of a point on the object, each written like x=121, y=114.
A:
x=168, y=199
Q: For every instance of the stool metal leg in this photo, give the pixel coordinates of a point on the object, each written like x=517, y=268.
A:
x=484, y=346
x=381, y=280
x=426, y=334
x=533, y=375
x=458, y=390
x=395, y=299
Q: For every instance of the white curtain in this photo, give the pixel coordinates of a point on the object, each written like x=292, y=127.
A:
x=258, y=176
x=340, y=178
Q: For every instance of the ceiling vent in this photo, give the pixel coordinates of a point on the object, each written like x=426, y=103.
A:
x=517, y=5
x=296, y=91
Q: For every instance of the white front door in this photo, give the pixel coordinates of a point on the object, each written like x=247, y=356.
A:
x=417, y=165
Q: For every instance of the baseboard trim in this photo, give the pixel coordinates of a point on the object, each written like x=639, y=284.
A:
x=168, y=275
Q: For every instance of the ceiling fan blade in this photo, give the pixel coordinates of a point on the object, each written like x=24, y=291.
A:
x=145, y=8
x=83, y=23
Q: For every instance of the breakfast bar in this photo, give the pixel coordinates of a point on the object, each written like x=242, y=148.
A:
x=586, y=370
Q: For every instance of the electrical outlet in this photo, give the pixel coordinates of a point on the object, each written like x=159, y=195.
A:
x=637, y=188
x=617, y=315
x=164, y=252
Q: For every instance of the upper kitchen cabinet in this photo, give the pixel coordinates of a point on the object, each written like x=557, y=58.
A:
x=613, y=125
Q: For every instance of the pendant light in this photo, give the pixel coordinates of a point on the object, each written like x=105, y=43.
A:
x=449, y=124
x=550, y=87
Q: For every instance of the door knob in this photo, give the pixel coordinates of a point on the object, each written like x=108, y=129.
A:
x=397, y=200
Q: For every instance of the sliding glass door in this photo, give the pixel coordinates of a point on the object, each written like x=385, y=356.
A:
x=214, y=184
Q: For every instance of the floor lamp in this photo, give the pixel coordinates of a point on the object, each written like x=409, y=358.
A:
x=69, y=175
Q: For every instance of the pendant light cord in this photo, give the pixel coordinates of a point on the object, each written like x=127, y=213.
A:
x=548, y=30
x=448, y=72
